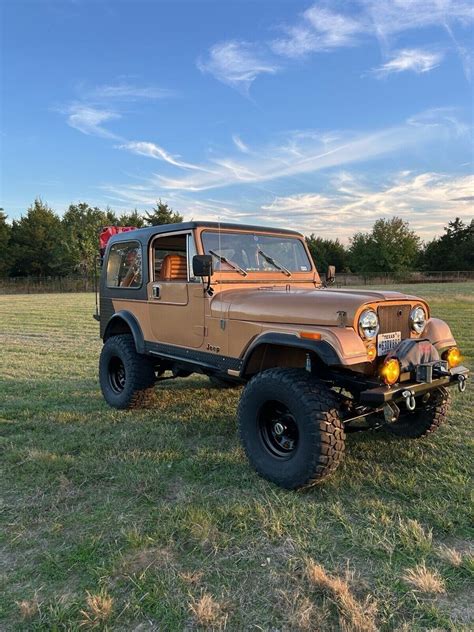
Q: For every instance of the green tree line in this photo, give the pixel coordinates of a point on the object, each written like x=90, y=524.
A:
x=41, y=243
x=391, y=248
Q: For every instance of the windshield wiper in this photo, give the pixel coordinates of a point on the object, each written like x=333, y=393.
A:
x=223, y=259
x=274, y=263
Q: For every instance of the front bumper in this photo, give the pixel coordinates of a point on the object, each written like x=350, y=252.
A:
x=383, y=394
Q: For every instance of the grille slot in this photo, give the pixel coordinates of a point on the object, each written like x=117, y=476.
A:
x=394, y=318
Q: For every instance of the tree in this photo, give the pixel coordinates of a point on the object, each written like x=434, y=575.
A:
x=82, y=224
x=162, y=214
x=391, y=248
x=132, y=219
x=36, y=242
x=326, y=252
x=452, y=251
x=5, y=233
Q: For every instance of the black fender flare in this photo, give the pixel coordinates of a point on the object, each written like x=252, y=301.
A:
x=132, y=322
x=321, y=348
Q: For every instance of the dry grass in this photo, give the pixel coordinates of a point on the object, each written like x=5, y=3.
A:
x=139, y=562
x=424, y=580
x=354, y=616
x=28, y=608
x=207, y=612
x=414, y=537
x=450, y=555
x=302, y=614
x=191, y=577
x=99, y=609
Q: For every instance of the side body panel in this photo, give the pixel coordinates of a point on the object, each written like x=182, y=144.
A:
x=177, y=316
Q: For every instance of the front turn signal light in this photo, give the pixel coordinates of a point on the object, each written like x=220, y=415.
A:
x=453, y=356
x=390, y=371
x=310, y=335
x=371, y=352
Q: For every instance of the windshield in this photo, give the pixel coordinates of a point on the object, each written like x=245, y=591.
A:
x=253, y=252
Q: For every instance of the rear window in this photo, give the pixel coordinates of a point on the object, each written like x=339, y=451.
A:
x=124, y=265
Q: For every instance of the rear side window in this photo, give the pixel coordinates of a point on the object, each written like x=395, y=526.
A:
x=124, y=265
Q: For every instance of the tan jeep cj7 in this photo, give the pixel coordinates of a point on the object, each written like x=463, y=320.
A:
x=246, y=305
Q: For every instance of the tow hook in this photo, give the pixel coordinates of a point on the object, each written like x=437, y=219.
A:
x=461, y=383
x=409, y=397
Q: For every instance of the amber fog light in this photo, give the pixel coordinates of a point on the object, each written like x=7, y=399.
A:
x=390, y=371
x=371, y=352
x=453, y=356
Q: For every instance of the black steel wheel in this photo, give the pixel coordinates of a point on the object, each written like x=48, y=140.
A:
x=278, y=429
x=117, y=377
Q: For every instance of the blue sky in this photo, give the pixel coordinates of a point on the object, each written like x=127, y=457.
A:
x=320, y=116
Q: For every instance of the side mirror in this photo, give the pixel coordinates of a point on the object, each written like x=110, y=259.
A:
x=330, y=275
x=202, y=265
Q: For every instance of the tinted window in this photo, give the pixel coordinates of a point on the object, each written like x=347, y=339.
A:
x=124, y=266
x=252, y=251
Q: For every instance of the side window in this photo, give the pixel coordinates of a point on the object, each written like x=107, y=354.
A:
x=124, y=265
x=170, y=262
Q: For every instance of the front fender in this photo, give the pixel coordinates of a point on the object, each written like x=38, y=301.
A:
x=439, y=334
x=321, y=348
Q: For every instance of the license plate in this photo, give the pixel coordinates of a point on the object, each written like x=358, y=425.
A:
x=386, y=342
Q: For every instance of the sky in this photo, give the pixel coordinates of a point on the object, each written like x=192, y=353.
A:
x=316, y=116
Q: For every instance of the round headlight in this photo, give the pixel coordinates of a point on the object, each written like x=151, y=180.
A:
x=368, y=324
x=417, y=319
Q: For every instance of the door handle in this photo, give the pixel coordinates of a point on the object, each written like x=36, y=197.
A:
x=155, y=292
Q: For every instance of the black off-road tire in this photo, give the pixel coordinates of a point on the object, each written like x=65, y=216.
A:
x=312, y=417
x=126, y=377
x=425, y=419
x=218, y=382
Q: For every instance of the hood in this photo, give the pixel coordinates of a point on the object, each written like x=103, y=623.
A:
x=296, y=306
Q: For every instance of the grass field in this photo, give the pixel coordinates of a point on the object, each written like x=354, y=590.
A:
x=153, y=520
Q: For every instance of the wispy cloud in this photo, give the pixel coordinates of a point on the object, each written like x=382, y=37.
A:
x=389, y=17
x=89, y=120
x=427, y=200
x=236, y=63
x=152, y=150
x=465, y=53
x=288, y=156
x=414, y=59
x=446, y=119
x=239, y=143
x=299, y=153
x=128, y=92
x=318, y=30
x=102, y=104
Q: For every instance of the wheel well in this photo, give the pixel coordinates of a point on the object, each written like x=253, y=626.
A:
x=269, y=356
x=116, y=327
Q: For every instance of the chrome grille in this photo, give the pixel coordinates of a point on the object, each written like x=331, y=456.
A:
x=394, y=318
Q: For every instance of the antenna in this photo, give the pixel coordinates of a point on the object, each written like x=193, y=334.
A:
x=219, y=237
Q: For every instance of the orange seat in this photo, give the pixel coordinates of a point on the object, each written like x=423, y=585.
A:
x=174, y=268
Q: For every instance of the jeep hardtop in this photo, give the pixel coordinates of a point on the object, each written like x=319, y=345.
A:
x=246, y=305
